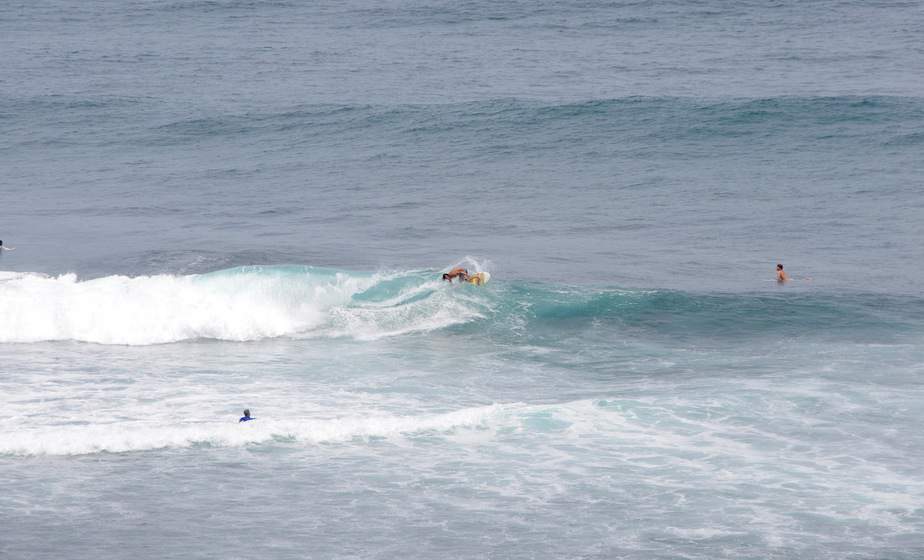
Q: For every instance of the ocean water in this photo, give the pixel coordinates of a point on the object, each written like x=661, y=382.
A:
x=228, y=204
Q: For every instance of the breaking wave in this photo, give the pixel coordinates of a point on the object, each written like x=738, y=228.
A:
x=260, y=302
x=240, y=304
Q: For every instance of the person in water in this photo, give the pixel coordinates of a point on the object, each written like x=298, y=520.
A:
x=781, y=275
x=457, y=272
x=246, y=417
x=2, y=248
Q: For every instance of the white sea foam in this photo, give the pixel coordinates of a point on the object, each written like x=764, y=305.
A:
x=141, y=436
x=442, y=308
x=238, y=305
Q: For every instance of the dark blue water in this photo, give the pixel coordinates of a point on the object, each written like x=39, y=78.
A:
x=226, y=204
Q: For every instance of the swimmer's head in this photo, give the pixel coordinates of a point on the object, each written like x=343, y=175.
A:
x=779, y=267
x=246, y=413
x=445, y=274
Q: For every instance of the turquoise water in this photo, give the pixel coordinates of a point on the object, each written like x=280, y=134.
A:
x=227, y=205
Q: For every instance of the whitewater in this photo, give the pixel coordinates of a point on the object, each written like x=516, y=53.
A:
x=762, y=410
x=249, y=303
x=774, y=418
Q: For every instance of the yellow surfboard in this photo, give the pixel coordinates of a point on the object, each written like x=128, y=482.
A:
x=479, y=278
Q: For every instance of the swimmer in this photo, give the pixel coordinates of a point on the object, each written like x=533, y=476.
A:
x=246, y=417
x=781, y=275
x=2, y=248
x=458, y=272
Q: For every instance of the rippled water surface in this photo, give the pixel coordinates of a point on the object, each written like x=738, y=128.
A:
x=219, y=205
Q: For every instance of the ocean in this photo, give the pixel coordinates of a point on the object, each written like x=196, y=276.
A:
x=216, y=205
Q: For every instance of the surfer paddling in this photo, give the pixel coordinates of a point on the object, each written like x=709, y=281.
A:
x=246, y=417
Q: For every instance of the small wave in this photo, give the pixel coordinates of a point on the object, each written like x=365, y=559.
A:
x=209, y=6
x=506, y=120
x=667, y=313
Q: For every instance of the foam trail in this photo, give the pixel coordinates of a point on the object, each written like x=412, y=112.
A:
x=141, y=436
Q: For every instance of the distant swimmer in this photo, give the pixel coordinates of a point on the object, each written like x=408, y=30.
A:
x=458, y=272
x=246, y=417
x=781, y=275
x=2, y=248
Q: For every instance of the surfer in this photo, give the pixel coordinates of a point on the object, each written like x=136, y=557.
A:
x=246, y=417
x=2, y=248
x=457, y=272
x=781, y=275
